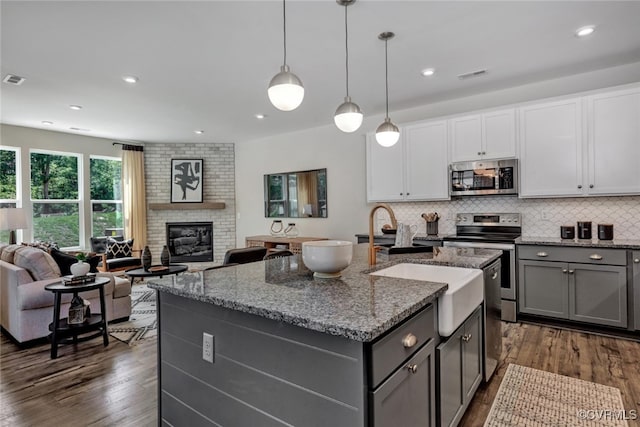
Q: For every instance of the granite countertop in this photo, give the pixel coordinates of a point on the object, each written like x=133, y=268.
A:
x=357, y=305
x=590, y=243
x=419, y=236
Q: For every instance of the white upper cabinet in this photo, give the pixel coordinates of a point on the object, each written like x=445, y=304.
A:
x=416, y=168
x=427, y=168
x=551, y=149
x=490, y=135
x=385, y=171
x=587, y=146
x=614, y=142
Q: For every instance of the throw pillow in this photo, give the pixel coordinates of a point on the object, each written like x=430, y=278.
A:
x=116, y=249
x=65, y=260
x=45, y=246
x=37, y=262
x=99, y=244
x=8, y=253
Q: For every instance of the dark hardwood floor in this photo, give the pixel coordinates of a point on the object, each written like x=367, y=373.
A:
x=116, y=386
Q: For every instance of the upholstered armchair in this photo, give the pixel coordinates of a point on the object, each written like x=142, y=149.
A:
x=117, y=254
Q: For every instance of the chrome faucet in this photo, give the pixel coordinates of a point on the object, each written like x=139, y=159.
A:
x=394, y=224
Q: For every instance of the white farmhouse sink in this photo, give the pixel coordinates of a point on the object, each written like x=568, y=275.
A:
x=464, y=294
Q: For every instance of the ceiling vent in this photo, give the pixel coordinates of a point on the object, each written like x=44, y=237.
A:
x=13, y=79
x=472, y=74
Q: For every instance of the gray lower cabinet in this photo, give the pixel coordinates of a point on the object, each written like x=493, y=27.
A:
x=270, y=373
x=459, y=368
x=407, y=398
x=591, y=291
x=636, y=288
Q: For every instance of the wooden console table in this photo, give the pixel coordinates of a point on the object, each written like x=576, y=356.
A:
x=294, y=244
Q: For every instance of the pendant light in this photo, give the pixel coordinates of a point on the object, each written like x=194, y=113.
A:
x=348, y=116
x=387, y=133
x=285, y=89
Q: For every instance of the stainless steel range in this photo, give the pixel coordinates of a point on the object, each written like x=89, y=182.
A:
x=493, y=231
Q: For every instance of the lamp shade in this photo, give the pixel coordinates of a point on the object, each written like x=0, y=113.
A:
x=285, y=90
x=13, y=219
x=387, y=133
x=348, y=117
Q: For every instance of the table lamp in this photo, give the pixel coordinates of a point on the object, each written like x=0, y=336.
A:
x=13, y=219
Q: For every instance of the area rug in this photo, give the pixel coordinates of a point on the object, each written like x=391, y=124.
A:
x=142, y=323
x=530, y=397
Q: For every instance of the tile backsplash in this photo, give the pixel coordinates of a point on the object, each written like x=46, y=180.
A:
x=540, y=217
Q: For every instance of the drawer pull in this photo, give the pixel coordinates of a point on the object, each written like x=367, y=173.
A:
x=409, y=340
x=413, y=368
x=596, y=257
x=494, y=276
x=466, y=337
x=542, y=254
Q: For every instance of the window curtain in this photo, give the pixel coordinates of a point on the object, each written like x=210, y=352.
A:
x=134, y=204
x=307, y=194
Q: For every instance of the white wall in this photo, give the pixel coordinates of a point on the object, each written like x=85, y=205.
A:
x=344, y=154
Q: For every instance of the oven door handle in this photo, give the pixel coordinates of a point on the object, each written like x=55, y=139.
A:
x=500, y=246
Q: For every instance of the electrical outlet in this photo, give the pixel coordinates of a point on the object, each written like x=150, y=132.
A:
x=208, y=347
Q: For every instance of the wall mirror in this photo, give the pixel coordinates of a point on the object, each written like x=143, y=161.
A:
x=296, y=194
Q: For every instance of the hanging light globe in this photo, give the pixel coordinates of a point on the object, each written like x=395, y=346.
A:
x=348, y=116
x=387, y=133
x=285, y=90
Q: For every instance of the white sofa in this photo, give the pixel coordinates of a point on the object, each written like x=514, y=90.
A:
x=26, y=308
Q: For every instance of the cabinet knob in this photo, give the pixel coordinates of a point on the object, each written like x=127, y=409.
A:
x=479, y=153
x=579, y=186
x=637, y=260
x=401, y=194
x=409, y=340
x=590, y=185
x=595, y=257
x=466, y=337
x=542, y=254
x=413, y=368
x=484, y=152
x=564, y=270
x=571, y=271
x=408, y=194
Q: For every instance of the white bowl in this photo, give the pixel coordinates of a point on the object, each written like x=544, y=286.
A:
x=327, y=258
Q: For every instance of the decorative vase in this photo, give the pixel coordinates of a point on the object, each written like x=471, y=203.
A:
x=79, y=268
x=165, y=256
x=146, y=258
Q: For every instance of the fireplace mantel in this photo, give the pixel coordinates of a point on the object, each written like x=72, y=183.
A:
x=186, y=206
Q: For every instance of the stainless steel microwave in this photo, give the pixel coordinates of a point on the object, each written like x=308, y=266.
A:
x=484, y=177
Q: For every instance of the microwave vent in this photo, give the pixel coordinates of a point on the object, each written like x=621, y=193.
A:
x=472, y=74
x=13, y=79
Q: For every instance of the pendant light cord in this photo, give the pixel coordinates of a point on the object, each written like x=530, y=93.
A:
x=346, y=45
x=284, y=28
x=386, y=78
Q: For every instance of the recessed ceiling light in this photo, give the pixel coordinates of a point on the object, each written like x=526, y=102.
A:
x=428, y=72
x=199, y=132
x=47, y=122
x=260, y=116
x=130, y=79
x=80, y=129
x=585, y=31
x=75, y=107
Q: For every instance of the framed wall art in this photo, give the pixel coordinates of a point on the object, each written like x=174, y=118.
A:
x=186, y=180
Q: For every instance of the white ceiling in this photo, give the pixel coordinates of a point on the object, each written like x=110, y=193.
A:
x=207, y=64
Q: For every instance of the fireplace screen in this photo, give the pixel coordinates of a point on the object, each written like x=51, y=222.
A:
x=190, y=241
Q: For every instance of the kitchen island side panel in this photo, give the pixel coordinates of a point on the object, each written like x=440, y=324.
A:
x=265, y=372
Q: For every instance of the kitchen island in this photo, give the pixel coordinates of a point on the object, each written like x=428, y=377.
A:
x=288, y=349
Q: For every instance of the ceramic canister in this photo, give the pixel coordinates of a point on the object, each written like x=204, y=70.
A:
x=605, y=231
x=567, y=232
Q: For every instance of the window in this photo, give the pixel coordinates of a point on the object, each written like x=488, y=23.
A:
x=9, y=161
x=55, y=194
x=106, y=196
